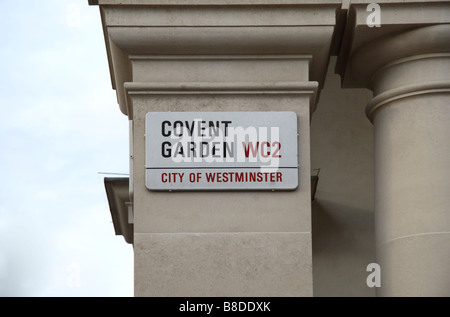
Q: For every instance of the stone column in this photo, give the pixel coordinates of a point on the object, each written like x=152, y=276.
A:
x=406, y=63
x=220, y=56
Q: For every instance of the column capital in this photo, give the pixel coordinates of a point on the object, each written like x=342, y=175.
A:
x=408, y=54
x=407, y=28
x=268, y=32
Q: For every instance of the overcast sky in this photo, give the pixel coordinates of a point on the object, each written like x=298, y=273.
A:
x=60, y=126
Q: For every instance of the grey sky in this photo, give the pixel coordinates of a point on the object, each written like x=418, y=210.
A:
x=60, y=126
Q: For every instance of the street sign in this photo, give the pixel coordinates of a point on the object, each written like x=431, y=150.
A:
x=221, y=150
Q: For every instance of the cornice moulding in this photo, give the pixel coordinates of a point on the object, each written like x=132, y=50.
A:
x=218, y=88
x=221, y=40
x=201, y=28
x=307, y=89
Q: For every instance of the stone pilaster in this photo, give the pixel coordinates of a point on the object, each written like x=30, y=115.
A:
x=217, y=55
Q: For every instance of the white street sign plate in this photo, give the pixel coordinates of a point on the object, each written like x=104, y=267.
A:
x=221, y=150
